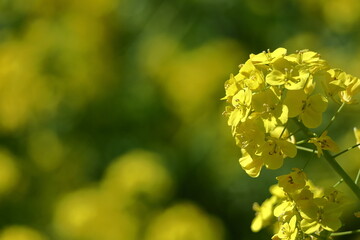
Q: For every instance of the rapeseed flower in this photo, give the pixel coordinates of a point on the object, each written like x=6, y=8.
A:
x=250, y=76
x=308, y=59
x=320, y=214
x=251, y=165
x=294, y=181
x=309, y=109
x=288, y=230
x=288, y=74
x=274, y=151
x=241, y=102
x=265, y=58
x=263, y=215
x=324, y=142
x=268, y=107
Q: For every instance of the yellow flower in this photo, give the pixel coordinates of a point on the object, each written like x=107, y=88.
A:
x=251, y=165
x=335, y=196
x=288, y=230
x=320, y=214
x=312, y=110
x=250, y=76
x=294, y=181
x=284, y=208
x=241, y=103
x=345, y=85
x=267, y=106
x=308, y=59
x=324, y=142
x=263, y=215
x=295, y=101
x=309, y=109
x=352, y=88
x=250, y=135
x=274, y=151
x=288, y=74
x=277, y=191
x=333, y=80
x=231, y=88
x=268, y=57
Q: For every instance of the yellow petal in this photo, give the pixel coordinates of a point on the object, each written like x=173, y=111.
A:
x=295, y=100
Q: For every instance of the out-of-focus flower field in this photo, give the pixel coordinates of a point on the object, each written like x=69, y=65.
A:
x=110, y=114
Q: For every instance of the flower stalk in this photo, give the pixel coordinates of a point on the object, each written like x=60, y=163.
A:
x=339, y=170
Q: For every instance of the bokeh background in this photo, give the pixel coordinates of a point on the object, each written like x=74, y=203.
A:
x=110, y=114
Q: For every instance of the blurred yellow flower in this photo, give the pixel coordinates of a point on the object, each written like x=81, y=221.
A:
x=349, y=9
x=9, y=172
x=89, y=214
x=189, y=78
x=185, y=221
x=263, y=214
x=137, y=173
x=17, y=232
x=46, y=149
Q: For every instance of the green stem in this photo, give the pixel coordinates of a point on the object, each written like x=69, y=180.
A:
x=294, y=132
x=357, y=177
x=339, y=170
x=333, y=118
x=344, y=233
x=302, y=141
x=282, y=132
x=306, y=149
x=338, y=183
x=348, y=149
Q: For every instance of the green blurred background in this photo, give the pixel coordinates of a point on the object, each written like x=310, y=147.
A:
x=110, y=114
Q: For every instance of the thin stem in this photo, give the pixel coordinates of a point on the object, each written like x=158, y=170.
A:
x=302, y=141
x=344, y=233
x=333, y=118
x=310, y=159
x=348, y=149
x=338, y=183
x=282, y=132
x=306, y=149
x=296, y=131
x=357, y=177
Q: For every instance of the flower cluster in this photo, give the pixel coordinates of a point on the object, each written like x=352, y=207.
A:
x=271, y=88
x=300, y=208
